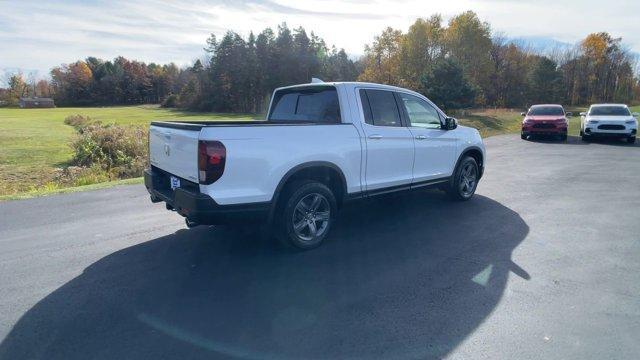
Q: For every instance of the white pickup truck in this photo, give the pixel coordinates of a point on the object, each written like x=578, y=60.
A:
x=321, y=145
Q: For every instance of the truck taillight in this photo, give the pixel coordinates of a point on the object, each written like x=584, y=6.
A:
x=212, y=156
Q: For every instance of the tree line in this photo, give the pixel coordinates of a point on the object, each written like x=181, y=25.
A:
x=462, y=65
x=457, y=65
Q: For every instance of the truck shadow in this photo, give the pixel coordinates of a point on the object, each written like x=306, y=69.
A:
x=404, y=277
x=577, y=140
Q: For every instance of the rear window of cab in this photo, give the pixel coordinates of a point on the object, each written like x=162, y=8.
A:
x=313, y=104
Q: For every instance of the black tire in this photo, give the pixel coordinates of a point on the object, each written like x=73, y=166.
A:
x=586, y=138
x=631, y=139
x=563, y=137
x=523, y=136
x=299, y=206
x=466, y=169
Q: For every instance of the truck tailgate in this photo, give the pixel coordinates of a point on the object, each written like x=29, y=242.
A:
x=175, y=151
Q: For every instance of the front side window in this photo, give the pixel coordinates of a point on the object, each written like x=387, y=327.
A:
x=609, y=111
x=380, y=108
x=316, y=104
x=420, y=112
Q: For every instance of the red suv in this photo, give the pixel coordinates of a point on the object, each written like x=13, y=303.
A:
x=545, y=119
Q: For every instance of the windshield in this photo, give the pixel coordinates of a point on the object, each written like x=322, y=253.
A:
x=610, y=110
x=546, y=110
x=318, y=104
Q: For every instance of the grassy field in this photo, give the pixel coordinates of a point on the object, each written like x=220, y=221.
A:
x=34, y=142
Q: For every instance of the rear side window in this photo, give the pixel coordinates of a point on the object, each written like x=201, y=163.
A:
x=382, y=108
x=316, y=104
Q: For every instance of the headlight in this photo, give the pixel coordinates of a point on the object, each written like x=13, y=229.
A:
x=592, y=121
x=630, y=122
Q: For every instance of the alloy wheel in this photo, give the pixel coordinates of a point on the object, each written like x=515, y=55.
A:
x=311, y=217
x=468, y=179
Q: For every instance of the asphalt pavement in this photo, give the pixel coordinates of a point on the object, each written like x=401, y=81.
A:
x=542, y=263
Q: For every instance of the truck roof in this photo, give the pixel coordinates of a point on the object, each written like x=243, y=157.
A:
x=538, y=105
x=596, y=105
x=351, y=84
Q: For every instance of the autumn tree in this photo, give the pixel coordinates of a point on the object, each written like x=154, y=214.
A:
x=420, y=48
x=17, y=89
x=382, y=58
x=545, y=82
x=446, y=85
x=508, y=79
x=468, y=41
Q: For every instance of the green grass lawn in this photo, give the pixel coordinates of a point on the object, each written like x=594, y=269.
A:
x=500, y=121
x=33, y=142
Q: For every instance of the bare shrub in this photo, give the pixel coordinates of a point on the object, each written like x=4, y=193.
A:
x=120, y=151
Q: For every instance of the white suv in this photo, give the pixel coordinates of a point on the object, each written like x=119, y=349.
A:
x=612, y=120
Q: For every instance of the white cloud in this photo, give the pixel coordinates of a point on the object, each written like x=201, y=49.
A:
x=40, y=35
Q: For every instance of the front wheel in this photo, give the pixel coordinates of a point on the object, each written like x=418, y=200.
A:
x=631, y=139
x=307, y=214
x=464, y=181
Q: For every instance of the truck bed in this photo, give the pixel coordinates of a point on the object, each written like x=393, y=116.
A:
x=199, y=124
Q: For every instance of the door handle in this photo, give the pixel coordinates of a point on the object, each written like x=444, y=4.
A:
x=420, y=137
x=375, y=137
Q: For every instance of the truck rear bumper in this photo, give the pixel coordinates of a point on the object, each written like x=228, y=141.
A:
x=200, y=208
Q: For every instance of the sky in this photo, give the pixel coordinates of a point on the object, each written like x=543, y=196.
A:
x=38, y=35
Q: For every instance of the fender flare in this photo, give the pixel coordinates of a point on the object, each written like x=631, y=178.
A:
x=280, y=187
x=465, y=152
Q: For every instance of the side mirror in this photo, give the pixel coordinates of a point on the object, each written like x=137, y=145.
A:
x=583, y=114
x=523, y=114
x=635, y=114
x=569, y=114
x=450, y=123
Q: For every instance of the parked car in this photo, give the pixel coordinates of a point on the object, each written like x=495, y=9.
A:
x=322, y=144
x=610, y=120
x=545, y=119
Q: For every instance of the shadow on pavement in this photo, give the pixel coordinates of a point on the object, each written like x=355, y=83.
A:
x=409, y=276
x=577, y=140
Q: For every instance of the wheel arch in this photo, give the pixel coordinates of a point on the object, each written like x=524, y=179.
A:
x=476, y=153
x=325, y=172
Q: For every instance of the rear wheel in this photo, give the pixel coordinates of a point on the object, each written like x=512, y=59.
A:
x=465, y=178
x=306, y=215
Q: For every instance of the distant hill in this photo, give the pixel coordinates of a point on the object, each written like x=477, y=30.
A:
x=540, y=44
